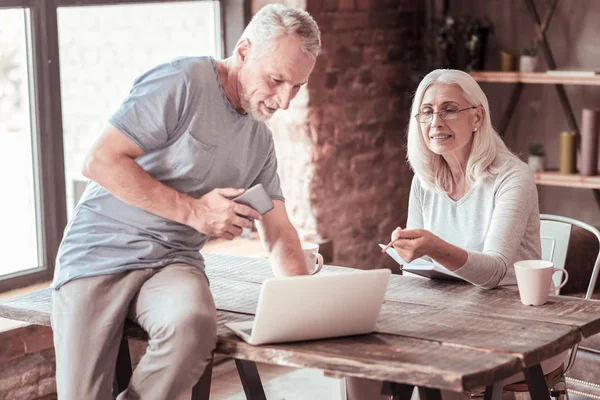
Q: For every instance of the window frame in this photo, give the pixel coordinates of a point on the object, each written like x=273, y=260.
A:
x=46, y=122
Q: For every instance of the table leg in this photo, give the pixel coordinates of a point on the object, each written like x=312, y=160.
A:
x=398, y=391
x=534, y=376
x=493, y=391
x=250, y=380
x=430, y=394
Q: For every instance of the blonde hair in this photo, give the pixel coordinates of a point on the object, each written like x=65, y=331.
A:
x=275, y=20
x=488, y=151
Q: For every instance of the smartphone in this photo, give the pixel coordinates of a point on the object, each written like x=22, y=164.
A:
x=257, y=198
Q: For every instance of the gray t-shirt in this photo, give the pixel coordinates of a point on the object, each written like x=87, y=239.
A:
x=194, y=142
x=497, y=222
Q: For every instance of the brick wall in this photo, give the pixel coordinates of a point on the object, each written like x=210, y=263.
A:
x=27, y=364
x=29, y=377
x=341, y=146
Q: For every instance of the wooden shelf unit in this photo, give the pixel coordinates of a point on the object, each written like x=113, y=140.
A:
x=534, y=77
x=555, y=178
x=549, y=178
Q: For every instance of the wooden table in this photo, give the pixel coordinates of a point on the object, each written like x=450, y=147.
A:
x=435, y=335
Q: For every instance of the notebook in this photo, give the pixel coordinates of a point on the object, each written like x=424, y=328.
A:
x=315, y=307
x=422, y=267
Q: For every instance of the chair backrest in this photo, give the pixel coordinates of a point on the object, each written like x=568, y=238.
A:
x=555, y=242
x=555, y=232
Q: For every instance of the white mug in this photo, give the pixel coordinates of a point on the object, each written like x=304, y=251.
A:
x=314, y=261
x=534, y=278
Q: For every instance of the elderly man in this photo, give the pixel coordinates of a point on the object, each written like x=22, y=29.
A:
x=189, y=137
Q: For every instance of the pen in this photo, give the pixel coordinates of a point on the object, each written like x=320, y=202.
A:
x=390, y=243
x=388, y=246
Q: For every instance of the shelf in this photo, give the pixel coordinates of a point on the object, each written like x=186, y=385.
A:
x=533, y=77
x=554, y=178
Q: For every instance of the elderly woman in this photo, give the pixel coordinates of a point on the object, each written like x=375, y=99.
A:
x=473, y=204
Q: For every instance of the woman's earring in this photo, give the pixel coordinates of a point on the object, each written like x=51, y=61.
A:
x=475, y=130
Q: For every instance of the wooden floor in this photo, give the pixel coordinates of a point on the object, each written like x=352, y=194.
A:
x=279, y=382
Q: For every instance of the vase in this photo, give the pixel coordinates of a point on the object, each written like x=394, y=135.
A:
x=507, y=61
x=536, y=162
x=567, y=152
x=527, y=63
x=589, y=141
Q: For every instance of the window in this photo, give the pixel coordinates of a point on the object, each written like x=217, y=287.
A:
x=19, y=234
x=104, y=48
x=52, y=108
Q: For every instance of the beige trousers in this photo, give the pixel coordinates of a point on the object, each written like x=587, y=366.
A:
x=173, y=304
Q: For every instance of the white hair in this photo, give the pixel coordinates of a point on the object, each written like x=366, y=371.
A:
x=488, y=151
x=275, y=20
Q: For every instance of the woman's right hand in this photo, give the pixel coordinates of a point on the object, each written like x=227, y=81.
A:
x=415, y=243
x=395, y=234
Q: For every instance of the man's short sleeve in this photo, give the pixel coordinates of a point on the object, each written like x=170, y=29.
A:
x=150, y=113
x=268, y=176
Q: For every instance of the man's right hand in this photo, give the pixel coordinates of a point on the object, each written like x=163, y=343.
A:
x=214, y=214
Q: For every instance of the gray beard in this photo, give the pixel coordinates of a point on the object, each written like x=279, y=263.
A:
x=253, y=110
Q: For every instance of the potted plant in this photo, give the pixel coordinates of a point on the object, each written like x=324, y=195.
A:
x=457, y=42
x=536, y=157
x=474, y=33
x=528, y=59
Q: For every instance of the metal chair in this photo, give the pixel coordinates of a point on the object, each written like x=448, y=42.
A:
x=555, y=233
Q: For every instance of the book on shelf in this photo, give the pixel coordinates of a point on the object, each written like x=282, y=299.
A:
x=574, y=72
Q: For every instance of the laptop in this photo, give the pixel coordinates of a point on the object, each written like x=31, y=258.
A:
x=315, y=307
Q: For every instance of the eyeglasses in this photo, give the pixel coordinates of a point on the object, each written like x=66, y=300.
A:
x=447, y=114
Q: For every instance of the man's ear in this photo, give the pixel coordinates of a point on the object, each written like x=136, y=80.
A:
x=242, y=50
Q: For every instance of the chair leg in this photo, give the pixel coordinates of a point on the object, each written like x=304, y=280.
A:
x=123, y=369
x=201, y=390
x=559, y=390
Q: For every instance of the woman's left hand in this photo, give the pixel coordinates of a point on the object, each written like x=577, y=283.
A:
x=414, y=243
